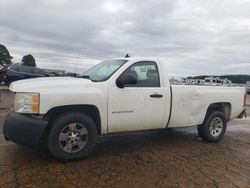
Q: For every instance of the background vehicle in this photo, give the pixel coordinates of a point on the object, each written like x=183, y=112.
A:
x=3, y=69
x=18, y=72
x=116, y=96
x=248, y=89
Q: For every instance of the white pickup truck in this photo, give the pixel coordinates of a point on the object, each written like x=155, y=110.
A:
x=120, y=95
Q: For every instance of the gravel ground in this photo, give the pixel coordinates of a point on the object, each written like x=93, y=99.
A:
x=169, y=158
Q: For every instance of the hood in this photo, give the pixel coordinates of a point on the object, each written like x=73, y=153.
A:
x=48, y=83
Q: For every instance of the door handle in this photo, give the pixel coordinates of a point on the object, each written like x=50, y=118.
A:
x=156, y=95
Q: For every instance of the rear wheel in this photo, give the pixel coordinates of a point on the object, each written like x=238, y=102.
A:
x=214, y=126
x=72, y=136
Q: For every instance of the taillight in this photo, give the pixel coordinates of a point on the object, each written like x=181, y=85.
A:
x=245, y=100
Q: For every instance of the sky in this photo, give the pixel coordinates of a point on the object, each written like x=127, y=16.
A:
x=194, y=37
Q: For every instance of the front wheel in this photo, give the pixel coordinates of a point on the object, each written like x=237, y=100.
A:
x=72, y=136
x=213, y=127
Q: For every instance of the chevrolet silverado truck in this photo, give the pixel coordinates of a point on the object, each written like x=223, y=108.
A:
x=119, y=95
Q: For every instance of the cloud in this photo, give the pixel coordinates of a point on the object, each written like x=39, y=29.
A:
x=194, y=37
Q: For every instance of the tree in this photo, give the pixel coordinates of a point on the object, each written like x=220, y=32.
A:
x=29, y=60
x=5, y=57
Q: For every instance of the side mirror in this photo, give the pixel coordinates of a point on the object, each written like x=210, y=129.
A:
x=125, y=79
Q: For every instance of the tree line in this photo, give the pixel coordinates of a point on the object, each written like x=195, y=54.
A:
x=237, y=78
x=6, y=58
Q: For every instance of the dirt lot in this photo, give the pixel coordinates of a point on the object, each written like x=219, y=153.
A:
x=171, y=158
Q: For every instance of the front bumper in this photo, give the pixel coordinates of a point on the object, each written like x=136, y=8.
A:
x=23, y=129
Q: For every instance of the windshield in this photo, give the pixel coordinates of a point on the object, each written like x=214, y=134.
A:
x=104, y=70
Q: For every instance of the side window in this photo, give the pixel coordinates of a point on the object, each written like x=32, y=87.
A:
x=25, y=69
x=32, y=70
x=146, y=73
x=37, y=71
x=14, y=68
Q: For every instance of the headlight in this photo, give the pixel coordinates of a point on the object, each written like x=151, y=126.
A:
x=27, y=103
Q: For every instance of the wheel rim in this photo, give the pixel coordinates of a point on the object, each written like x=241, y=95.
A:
x=73, y=137
x=216, y=126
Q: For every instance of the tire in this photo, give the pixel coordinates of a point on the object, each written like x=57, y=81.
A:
x=213, y=127
x=72, y=136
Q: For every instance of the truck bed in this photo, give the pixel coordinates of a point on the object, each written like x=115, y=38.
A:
x=190, y=102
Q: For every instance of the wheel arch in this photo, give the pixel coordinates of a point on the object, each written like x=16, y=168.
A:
x=90, y=110
x=224, y=107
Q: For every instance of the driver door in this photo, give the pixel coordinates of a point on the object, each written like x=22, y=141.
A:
x=137, y=106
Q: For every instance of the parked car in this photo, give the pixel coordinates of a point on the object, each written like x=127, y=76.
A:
x=18, y=72
x=117, y=95
x=248, y=89
x=3, y=69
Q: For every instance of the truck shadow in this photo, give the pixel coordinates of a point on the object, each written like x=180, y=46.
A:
x=114, y=145
x=143, y=140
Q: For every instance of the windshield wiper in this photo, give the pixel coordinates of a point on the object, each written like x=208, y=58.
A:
x=85, y=76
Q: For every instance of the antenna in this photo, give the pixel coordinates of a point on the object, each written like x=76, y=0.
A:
x=127, y=56
x=77, y=60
